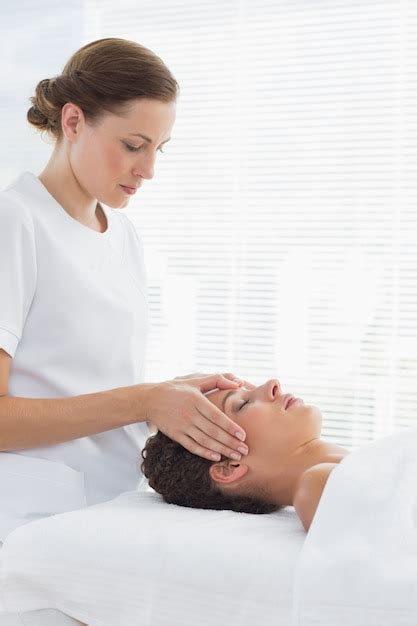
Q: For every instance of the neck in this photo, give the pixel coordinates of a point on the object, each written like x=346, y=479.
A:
x=62, y=184
x=310, y=454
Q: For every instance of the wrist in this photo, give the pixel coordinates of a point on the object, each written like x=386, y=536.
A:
x=139, y=401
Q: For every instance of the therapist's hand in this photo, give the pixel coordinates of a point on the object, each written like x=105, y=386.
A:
x=179, y=409
x=245, y=383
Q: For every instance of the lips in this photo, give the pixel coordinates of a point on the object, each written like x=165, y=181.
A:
x=288, y=399
x=129, y=190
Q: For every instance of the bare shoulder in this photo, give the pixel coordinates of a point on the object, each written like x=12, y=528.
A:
x=309, y=491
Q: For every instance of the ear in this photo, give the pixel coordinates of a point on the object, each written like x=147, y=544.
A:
x=227, y=472
x=72, y=118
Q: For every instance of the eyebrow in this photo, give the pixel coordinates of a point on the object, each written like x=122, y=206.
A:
x=228, y=394
x=147, y=138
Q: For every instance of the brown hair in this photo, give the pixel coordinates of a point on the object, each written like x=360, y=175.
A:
x=183, y=478
x=103, y=75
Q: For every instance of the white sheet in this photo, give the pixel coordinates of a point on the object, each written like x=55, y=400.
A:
x=32, y=488
x=138, y=561
x=358, y=565
x=43, y=617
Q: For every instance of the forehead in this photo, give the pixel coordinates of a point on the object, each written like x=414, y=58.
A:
x=146, y=109
x=216, y=396
x=151, y=118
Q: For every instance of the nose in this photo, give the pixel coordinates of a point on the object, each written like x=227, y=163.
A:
x=272, y=388
x=145, y=167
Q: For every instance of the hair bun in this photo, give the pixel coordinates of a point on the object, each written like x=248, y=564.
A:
x=42, y=113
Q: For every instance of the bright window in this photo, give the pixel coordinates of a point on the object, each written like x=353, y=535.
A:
x=281, y=224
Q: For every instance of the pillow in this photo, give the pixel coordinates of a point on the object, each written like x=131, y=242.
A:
x=136, y=560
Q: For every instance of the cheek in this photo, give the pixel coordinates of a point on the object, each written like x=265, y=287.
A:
x=114, y=159
x=106, y=155
x=256, y=423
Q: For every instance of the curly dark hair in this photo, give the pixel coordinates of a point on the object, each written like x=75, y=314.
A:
x=183, y=478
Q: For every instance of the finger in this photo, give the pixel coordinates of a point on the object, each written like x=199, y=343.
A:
x=248, y=385
x=231, y=376
x=213, y=444
x=195, y=375
x=228, y=375
x=192, y=446
x=227, y=431
x=216, y=381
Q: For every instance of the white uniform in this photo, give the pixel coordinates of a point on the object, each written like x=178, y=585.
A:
x=74, y=317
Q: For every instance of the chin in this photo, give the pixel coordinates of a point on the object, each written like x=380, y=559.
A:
x=307, y=409
x=115, y=204
x=317, y=416
x=313, y=413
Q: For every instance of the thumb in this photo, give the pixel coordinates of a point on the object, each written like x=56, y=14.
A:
x=218, y=381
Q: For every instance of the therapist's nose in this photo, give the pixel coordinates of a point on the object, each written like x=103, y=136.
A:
x=145, y=168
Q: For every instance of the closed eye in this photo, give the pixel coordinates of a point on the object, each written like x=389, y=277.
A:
x=242, y=405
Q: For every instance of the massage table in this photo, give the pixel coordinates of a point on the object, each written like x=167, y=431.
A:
x=137, y=561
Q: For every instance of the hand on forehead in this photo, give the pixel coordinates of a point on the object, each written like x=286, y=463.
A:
x=216, y=395
x=245, y=385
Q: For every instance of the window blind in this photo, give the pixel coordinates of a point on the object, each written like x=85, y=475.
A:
x=280, y=227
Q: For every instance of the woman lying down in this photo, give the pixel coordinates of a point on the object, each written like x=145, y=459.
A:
x=287, y=463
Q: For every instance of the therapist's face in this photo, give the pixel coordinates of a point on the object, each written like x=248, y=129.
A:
x=109, y=154
x=275, y=434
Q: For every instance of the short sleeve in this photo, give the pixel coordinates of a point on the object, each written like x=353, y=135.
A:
x=18, y=270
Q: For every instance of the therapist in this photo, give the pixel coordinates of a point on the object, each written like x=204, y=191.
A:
x=73, y=305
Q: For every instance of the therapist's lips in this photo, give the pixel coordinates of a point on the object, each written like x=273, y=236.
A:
x=129, y=190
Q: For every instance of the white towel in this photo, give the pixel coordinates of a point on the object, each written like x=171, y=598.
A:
x=358, y=565
x=136, y=560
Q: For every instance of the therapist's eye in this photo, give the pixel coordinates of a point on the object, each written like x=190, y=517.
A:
x=136, y=149
x=132, y=148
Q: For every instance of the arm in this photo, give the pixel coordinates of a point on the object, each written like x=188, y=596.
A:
x=179, y=410
x=29, y=423
x=309, y=491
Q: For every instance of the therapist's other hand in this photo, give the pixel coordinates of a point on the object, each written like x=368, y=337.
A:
x=228, y=375
x=179, y=409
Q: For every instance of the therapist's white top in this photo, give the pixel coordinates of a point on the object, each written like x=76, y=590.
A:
x=74, y=317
